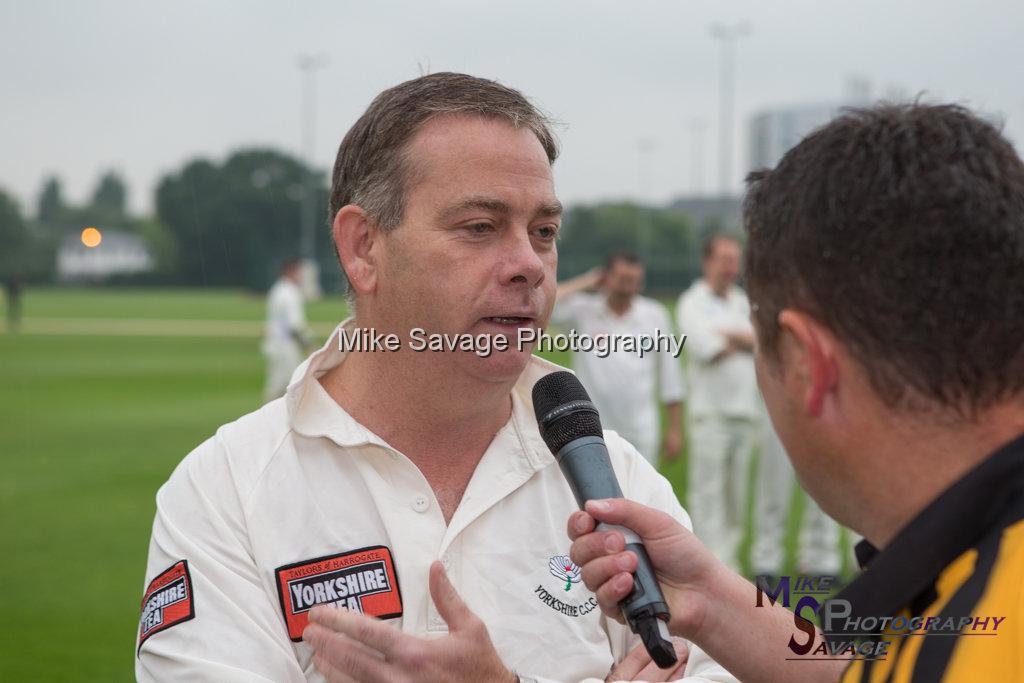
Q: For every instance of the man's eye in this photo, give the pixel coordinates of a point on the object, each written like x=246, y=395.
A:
x=480, y=228
x=547, y=232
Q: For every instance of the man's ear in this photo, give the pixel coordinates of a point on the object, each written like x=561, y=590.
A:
x=354, y=235
x=812, y=353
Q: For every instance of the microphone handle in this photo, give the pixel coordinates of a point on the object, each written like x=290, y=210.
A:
x=588, y=469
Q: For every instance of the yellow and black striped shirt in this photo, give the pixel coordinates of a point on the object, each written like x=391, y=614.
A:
x=962, y=557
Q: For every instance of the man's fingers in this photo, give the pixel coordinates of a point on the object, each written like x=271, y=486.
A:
x=598, y=544
x=610, y=593
x=597, y=572
x=332, y=673
x=652, y=673
x=637, y=666
x=580, y=523
x=449, y=605
x=628, y=668
x=645, y=521
x=345, y=655
x=363, y=629
x=682, y=649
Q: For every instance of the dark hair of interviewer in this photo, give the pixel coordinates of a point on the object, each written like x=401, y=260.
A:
x=372, y=168
x=901, y=228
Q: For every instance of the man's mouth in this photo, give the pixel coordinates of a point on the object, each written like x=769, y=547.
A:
x=513, y=320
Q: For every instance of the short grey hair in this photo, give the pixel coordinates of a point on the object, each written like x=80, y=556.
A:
x=372, y=168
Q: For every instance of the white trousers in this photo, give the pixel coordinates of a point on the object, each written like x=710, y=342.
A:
x=282, y=359
x=719, y=453
x=647, y=444
x=818, y=544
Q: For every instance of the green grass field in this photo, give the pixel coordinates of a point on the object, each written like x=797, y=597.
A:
x=98, y=403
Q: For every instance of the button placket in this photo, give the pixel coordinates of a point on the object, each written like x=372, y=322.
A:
x=420, y=503
x=434, y=621
x=450, y=561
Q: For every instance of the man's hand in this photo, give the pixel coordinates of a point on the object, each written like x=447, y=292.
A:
x=672, y=442
x=591, y=280
x=739, y=340
x=638, y=666
x=711, y=606
x=587, y=282
x=685, y=568
x=352, y=647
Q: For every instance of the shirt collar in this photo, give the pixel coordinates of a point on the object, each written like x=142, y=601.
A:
x=625, y=315
x=948, y=526
x=314, y=413
x=705, y=289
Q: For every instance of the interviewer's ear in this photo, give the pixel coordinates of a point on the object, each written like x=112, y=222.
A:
x=810, y=350
x=355, y=235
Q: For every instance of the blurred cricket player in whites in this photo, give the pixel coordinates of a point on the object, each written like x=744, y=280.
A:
x=287, y=335
x=628, y=388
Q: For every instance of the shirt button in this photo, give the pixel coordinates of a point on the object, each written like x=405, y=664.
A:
x=420, y=503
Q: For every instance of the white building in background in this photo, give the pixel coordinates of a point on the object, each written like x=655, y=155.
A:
x=774, y=131
x=120, y=253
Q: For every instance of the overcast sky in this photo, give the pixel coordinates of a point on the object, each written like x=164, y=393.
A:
x=142, y=87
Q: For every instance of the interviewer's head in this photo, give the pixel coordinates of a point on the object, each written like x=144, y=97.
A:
x=885, y=267
x=444, y=212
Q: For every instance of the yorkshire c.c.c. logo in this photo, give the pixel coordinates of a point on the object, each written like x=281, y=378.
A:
x=561, y=567
x=557, y=596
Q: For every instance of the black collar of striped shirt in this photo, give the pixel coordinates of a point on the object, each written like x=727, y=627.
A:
x=902, y=575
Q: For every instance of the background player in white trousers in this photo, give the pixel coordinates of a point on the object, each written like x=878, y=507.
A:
x=625, y=387
x=714, y=315
x=818, y=545
x=287, y=335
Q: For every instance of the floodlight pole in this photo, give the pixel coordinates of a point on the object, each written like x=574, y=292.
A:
x=727, y=34
x=309, y=64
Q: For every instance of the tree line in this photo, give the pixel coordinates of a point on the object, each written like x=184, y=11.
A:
x=230, y=224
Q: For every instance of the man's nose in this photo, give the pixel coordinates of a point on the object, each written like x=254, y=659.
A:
x=521, y=263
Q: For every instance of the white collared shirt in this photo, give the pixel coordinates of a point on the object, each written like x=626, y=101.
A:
x=286, y=315
x=624, y=386
x=726, y=387
x=285, y=506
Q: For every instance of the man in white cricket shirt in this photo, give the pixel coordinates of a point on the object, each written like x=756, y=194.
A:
x=411, y=488
x=625, y=386
x=287, y=334
x=727, y=419
x=723, y=403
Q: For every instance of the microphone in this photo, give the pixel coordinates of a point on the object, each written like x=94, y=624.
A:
x=571, y=427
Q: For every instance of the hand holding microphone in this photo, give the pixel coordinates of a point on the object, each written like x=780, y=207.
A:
x=571, y=427
x=689, y=575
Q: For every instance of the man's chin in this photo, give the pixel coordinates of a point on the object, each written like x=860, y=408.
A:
x=499, y=366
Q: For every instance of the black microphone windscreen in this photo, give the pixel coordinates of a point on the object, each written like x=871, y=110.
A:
x=556, y=390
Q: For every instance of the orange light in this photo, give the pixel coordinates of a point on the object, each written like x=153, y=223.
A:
x=91, y=237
